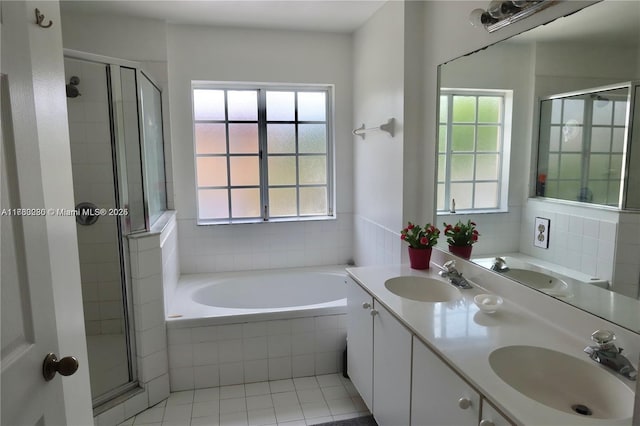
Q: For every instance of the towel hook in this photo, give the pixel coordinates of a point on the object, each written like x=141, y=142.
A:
x=40, y=20
x=388, y=127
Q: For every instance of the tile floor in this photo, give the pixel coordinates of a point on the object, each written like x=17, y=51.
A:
x=292, y=402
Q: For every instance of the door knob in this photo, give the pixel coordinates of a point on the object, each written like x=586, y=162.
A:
x=464, y=403
x=366, y=305
x=486, y=422
x=65, y=366
x=373, y=312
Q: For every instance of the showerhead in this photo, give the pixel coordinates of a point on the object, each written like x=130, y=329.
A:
x=72, y=89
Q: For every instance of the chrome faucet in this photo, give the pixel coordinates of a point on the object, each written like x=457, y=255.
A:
x=606, y=353
x=450, y=272
x=499, y=265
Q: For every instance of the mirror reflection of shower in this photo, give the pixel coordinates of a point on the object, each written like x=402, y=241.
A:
x=72, y=87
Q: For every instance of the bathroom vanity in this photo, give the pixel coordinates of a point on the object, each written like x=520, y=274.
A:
x=424, y=355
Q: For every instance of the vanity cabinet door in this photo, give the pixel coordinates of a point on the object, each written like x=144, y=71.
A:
x=491, y=416
x=391, y=369
x=439, y=396
x=360, y=340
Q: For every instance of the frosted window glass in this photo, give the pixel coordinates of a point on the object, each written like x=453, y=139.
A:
x=245, y=171
x=312, y=138
x=618, y=140
x=213, y=204
x=243, y=138
x=282, y=170
x=616, y=167
x=551, y=189
x=600, y=139
x=487, y=167
x=554, y=161
x=613, y=197
x=556, y=111
x=488, y=138
x=571, y=138
x=599, y=166
x=599, y=191
x=571, y=167
x=442, y=167
x=573, y=111
x=211, y=138
x=313, y=169
x=313, y=201
x=489, y=109
x=441, y=196
x=620, y=113
x=462, y=138
x=602, y=113
x=280, y=106
x=464, y=109
x=245, y=202
x=242, y=105
x=462, y=193
x=281, y=138
x=569, y=190
x=461, y=167
x=312, y=106
x=208, y=104
x=283, y=202
x=554, y=138
x=486, y=195
x=442, y=139
x=212, y=171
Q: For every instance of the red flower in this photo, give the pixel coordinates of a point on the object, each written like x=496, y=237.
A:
x=456, y=229
x=474, y=237
x=410, y=226
x=403, y=236
x=424, y=240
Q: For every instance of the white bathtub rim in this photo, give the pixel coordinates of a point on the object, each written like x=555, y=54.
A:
x=195, y=314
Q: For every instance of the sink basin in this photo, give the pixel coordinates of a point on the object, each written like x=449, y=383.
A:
x=538, y=280
x=563, y=382
x=422, y=289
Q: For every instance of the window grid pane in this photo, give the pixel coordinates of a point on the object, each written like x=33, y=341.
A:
x=470, y=143
x=232, y=130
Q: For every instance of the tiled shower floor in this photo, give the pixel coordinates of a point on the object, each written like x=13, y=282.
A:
x=292, y=402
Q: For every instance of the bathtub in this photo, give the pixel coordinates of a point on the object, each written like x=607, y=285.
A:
x=244, y=327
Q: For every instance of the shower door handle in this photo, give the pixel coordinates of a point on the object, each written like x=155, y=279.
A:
x=65, y=366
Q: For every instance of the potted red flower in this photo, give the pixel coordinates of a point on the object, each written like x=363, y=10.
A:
x=461, y=238
x=421, y=240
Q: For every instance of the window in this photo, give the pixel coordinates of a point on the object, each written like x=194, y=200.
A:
x=473, y=137
x=262, y=153
x=581, y=146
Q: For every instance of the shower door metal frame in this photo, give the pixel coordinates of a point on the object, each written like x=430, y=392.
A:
x=112, y=75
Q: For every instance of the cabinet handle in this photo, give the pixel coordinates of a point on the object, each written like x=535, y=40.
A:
x=465, y=403
x=366, y=305
x=486, y=422
x=373, y=312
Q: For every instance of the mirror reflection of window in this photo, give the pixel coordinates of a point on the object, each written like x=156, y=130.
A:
x=472, y=141
x=581, y=146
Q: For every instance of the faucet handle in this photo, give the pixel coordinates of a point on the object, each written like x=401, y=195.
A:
x=449, y=266
x=604, y=338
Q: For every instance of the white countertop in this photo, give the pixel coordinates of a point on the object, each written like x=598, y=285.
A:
x=464, y=337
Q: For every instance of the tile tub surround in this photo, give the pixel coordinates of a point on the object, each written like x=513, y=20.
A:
x=248, y=352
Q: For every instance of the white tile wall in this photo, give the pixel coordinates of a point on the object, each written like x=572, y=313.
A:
x=375, y=244
x=201, y=357
x=264, y=245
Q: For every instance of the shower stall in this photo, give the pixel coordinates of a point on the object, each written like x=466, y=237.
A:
x=115, y=128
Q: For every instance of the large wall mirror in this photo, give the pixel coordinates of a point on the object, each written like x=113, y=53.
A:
x=513, y=154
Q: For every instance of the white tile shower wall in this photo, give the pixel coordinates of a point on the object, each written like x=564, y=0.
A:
x=201, y=357
x=627, y=266
x=376, y=244
x=264, y=245
x=154, y=261
x=576, y=241
x=89, y=132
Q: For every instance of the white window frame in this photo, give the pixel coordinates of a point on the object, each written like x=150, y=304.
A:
x=504, y=151
x=262, y=88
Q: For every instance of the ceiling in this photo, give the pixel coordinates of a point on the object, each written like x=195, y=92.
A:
x=309, y=15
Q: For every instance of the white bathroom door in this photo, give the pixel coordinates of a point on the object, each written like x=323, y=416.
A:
x=40, y=283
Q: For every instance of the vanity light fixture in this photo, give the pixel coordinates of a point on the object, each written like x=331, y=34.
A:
x=501, y=13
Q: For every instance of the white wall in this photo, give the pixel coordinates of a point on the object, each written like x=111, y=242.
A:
x=246, y=55
x=378, y=49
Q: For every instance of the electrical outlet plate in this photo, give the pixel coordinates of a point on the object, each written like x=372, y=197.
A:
x=541, y=233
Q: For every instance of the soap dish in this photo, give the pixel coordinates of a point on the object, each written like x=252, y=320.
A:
x=488, y=303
